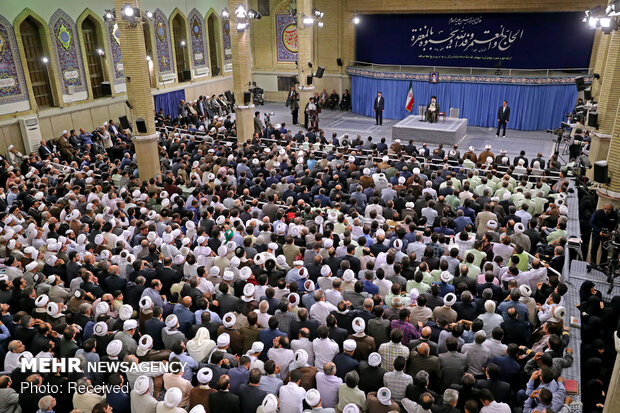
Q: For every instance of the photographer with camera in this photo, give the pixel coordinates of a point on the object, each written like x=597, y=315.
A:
x=603, y=222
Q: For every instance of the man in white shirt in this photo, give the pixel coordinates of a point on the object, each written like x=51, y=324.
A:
x=327, y=383
x=16, y=350
x=281, y=354
x=490, y=405
x=321, y=309
x=324, y=348
x=292, y=395
x=303, y=343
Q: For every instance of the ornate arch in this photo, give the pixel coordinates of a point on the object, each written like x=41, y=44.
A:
x=219, y=49
x=163, y=44
x=176, y=12
x=67, y=48
x=13, y=86
x=101, y=29
x=197, y=39
x=47, y=47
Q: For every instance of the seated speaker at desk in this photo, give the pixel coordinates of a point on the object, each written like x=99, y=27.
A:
x=432, y=110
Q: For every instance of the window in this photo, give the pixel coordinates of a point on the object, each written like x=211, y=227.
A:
x=37, y=69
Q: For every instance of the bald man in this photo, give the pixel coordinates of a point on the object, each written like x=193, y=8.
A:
x=421, y=359
x=185, y=315
x=425, y=337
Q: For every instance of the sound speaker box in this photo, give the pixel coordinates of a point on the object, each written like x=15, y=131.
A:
x=229, y=96
x=601, y=172
x=319, y=72
x=106, y=89
x=309, y=79
x=141, y=125
x=339, y=62
x=216, y=71
x=124, y=122
x=580, y=82
x=187, y=76
x=247, y=98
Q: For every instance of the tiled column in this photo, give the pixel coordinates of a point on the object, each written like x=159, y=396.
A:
x=305, y=41
x=610, y=92
x=599, y=63
x=138, y=92
x=242, y=73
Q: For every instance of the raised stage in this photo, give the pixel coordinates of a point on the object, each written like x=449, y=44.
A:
x=447, y=131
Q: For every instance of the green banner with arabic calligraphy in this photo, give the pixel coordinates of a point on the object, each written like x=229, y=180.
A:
x=508, y=40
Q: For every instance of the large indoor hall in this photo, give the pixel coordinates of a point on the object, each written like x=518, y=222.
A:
x=309, y=206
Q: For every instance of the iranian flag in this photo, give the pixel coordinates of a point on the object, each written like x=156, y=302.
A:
x=409, y=102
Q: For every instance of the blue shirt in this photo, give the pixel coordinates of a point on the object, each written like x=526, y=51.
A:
x=522, y=311
x=186, y=318
x=266, y=337
x=370, y=288
x=444, y=288
x=189, y=364
x=461, y=222
x=238, y=376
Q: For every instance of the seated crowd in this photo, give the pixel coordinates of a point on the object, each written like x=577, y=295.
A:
x=285, y=273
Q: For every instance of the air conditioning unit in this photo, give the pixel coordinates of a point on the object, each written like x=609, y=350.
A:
x=31, y=133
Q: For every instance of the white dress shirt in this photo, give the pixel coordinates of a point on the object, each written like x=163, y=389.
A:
x=304, y=344
x=291, y=398
x=282, y=357
x=321, y=310
x=324, y=351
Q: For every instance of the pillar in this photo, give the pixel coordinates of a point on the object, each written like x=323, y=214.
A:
x=138, y=92
x=612, y=401
x=599, y=63
x=242, y=73
x=610, y=92
x=305, y=53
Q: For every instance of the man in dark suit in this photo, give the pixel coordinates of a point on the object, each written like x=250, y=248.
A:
x=378, y=108
x=153, y=327
x=44, y=151
x=251, y=396
x=503, y=114
x=224, y=400
x=515, y=330
x=167, y=275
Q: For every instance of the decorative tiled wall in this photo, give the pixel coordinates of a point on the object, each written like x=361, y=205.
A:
x=163, y=42
x=67, y=49
x=198, y=39
x=12, y=85
x=286, y=37
x=115, y=47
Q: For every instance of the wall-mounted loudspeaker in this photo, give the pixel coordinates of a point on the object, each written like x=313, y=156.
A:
x=600, y=172
x=309, y=79
x=229, y=96
x=247, y=98
x=124, y=122
x=319, y=72
x=339, y=61
x=141, y=125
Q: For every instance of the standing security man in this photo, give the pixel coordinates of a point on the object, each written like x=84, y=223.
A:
x=379, y=107
x=603, y=222
x=503, y=114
